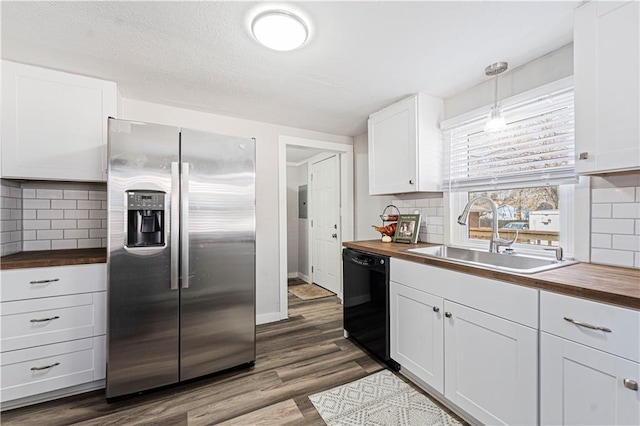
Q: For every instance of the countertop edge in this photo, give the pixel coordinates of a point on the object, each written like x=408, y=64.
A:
x=539, y=281
x=47, y=258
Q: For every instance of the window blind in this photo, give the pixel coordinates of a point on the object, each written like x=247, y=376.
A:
x=535, y=149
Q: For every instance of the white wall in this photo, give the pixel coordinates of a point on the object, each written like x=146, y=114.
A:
x=292, y=221
x=267, y=254
x=545, y=69
x=368, y=208
x=303, y=230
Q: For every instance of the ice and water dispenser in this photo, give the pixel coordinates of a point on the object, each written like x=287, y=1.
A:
x=145, y=218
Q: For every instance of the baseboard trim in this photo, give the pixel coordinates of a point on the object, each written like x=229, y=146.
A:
x=304, y=277
x=293, y=274
x=267, y=318
x=49, y=396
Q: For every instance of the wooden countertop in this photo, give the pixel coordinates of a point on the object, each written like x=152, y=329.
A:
x=39, y=259
x=609, y=284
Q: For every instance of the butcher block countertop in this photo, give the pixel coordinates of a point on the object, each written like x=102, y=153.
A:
x=609, y=284
x=39, y=259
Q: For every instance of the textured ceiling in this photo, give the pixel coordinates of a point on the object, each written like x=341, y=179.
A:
x=361, y=56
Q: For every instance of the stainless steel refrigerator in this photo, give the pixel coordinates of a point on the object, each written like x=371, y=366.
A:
x=181, y=255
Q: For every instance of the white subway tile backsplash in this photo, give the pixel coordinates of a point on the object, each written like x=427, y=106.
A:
x=613, y=257
x=49, y=234
x=626, y=242
x=36, y=224
x=36, y=204
x=98, y=233
x=76, y=214
x=436, y=202
x=626, y=210
x=9, y=203
x=76, y=233
x=97, y=195
x=28, y=235
x=36, y=245
x=5, y=214
x=16, y=214
x=601, y=210
x=64, y=244
x=64, y=224
x=638, y=194
x=98, y=214
x=601, y=240
x=49, y=214
x=637, y=261
x=29, y=214
x=28, y=193
x=89, y=205
x=91, y=223
x=613, y=226
x=70, y=194
x=435, y=239
x=637, y=226
x=90, y=243
x=63, y=204
x=49, y=193
x=613, y=195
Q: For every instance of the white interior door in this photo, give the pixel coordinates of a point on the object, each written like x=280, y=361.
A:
x=325, y=230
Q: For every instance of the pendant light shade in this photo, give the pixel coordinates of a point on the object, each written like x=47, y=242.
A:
x=280, y=30
x=495, y=120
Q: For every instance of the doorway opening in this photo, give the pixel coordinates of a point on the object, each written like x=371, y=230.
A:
x=316, y=213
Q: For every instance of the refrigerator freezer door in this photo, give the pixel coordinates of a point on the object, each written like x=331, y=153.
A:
x=217, y=308
x=142, y=350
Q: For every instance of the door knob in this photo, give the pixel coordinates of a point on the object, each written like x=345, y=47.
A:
x=447, y=314
x=334, y=235
x=436, y=309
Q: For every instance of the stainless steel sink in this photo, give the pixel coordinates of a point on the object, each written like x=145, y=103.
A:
x=517, y=263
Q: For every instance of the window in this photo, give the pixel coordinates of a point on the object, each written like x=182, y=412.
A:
x=526, y=169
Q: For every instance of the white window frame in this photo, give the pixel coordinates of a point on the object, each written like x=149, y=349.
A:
x=454, y=202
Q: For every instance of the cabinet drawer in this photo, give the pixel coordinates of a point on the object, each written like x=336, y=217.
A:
x=624, y=324
x=47, y=368
x=27, y=323
x=32, y=283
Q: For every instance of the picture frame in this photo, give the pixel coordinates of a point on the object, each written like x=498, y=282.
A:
x=407, y=229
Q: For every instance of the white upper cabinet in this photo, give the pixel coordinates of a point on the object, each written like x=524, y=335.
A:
x=607, y=87
x=54, y=124
x=405, y=147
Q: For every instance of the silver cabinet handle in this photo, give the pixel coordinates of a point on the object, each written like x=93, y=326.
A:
x=587, y=325
x=175, y=223
x=46, y=367
x=630, y=384
x=448, y=314
x=436, y=309
x=53, y=280
x=184, y=229
x=410, y=181
x=45, y=319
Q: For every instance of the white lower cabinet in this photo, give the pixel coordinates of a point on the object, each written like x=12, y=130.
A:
x=471, y=339
x=417, y=333
x=490, y=366
x=580, y=385
x=53, y=332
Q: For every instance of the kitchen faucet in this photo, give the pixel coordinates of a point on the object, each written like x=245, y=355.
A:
x=496, y=242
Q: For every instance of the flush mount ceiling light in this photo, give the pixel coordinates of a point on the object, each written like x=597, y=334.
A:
x=280, y=30
x=495, y=121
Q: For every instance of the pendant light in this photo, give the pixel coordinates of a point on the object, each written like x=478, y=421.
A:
x=280, y=30
x=495, y=120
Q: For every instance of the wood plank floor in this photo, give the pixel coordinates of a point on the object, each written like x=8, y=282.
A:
x=296, y=358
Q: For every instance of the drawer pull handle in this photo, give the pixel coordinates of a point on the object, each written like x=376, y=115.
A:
x=630, y=384
x=436, y=309
x=46, y=367
x=448, y=314
x=44, y=281
x=45, y=319
x=587, y=325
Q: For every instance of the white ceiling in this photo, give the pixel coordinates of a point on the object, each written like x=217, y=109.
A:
x=361, y=57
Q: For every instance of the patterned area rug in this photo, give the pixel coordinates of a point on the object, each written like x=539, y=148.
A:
x=380, y=399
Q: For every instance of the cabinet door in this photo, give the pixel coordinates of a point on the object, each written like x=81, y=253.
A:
x=580, y=385
x=417, y=334
x=607, y=88
x=491, y=366
x=54, y=124
x=393, y=134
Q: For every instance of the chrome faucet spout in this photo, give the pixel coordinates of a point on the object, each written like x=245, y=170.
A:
x=496, y=241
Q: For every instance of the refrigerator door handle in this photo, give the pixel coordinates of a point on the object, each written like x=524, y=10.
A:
x=175, y=224
x=184, y=217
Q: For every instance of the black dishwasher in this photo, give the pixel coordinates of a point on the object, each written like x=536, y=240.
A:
x=366, y=302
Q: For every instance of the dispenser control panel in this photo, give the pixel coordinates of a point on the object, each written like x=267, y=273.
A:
x=145, y=200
